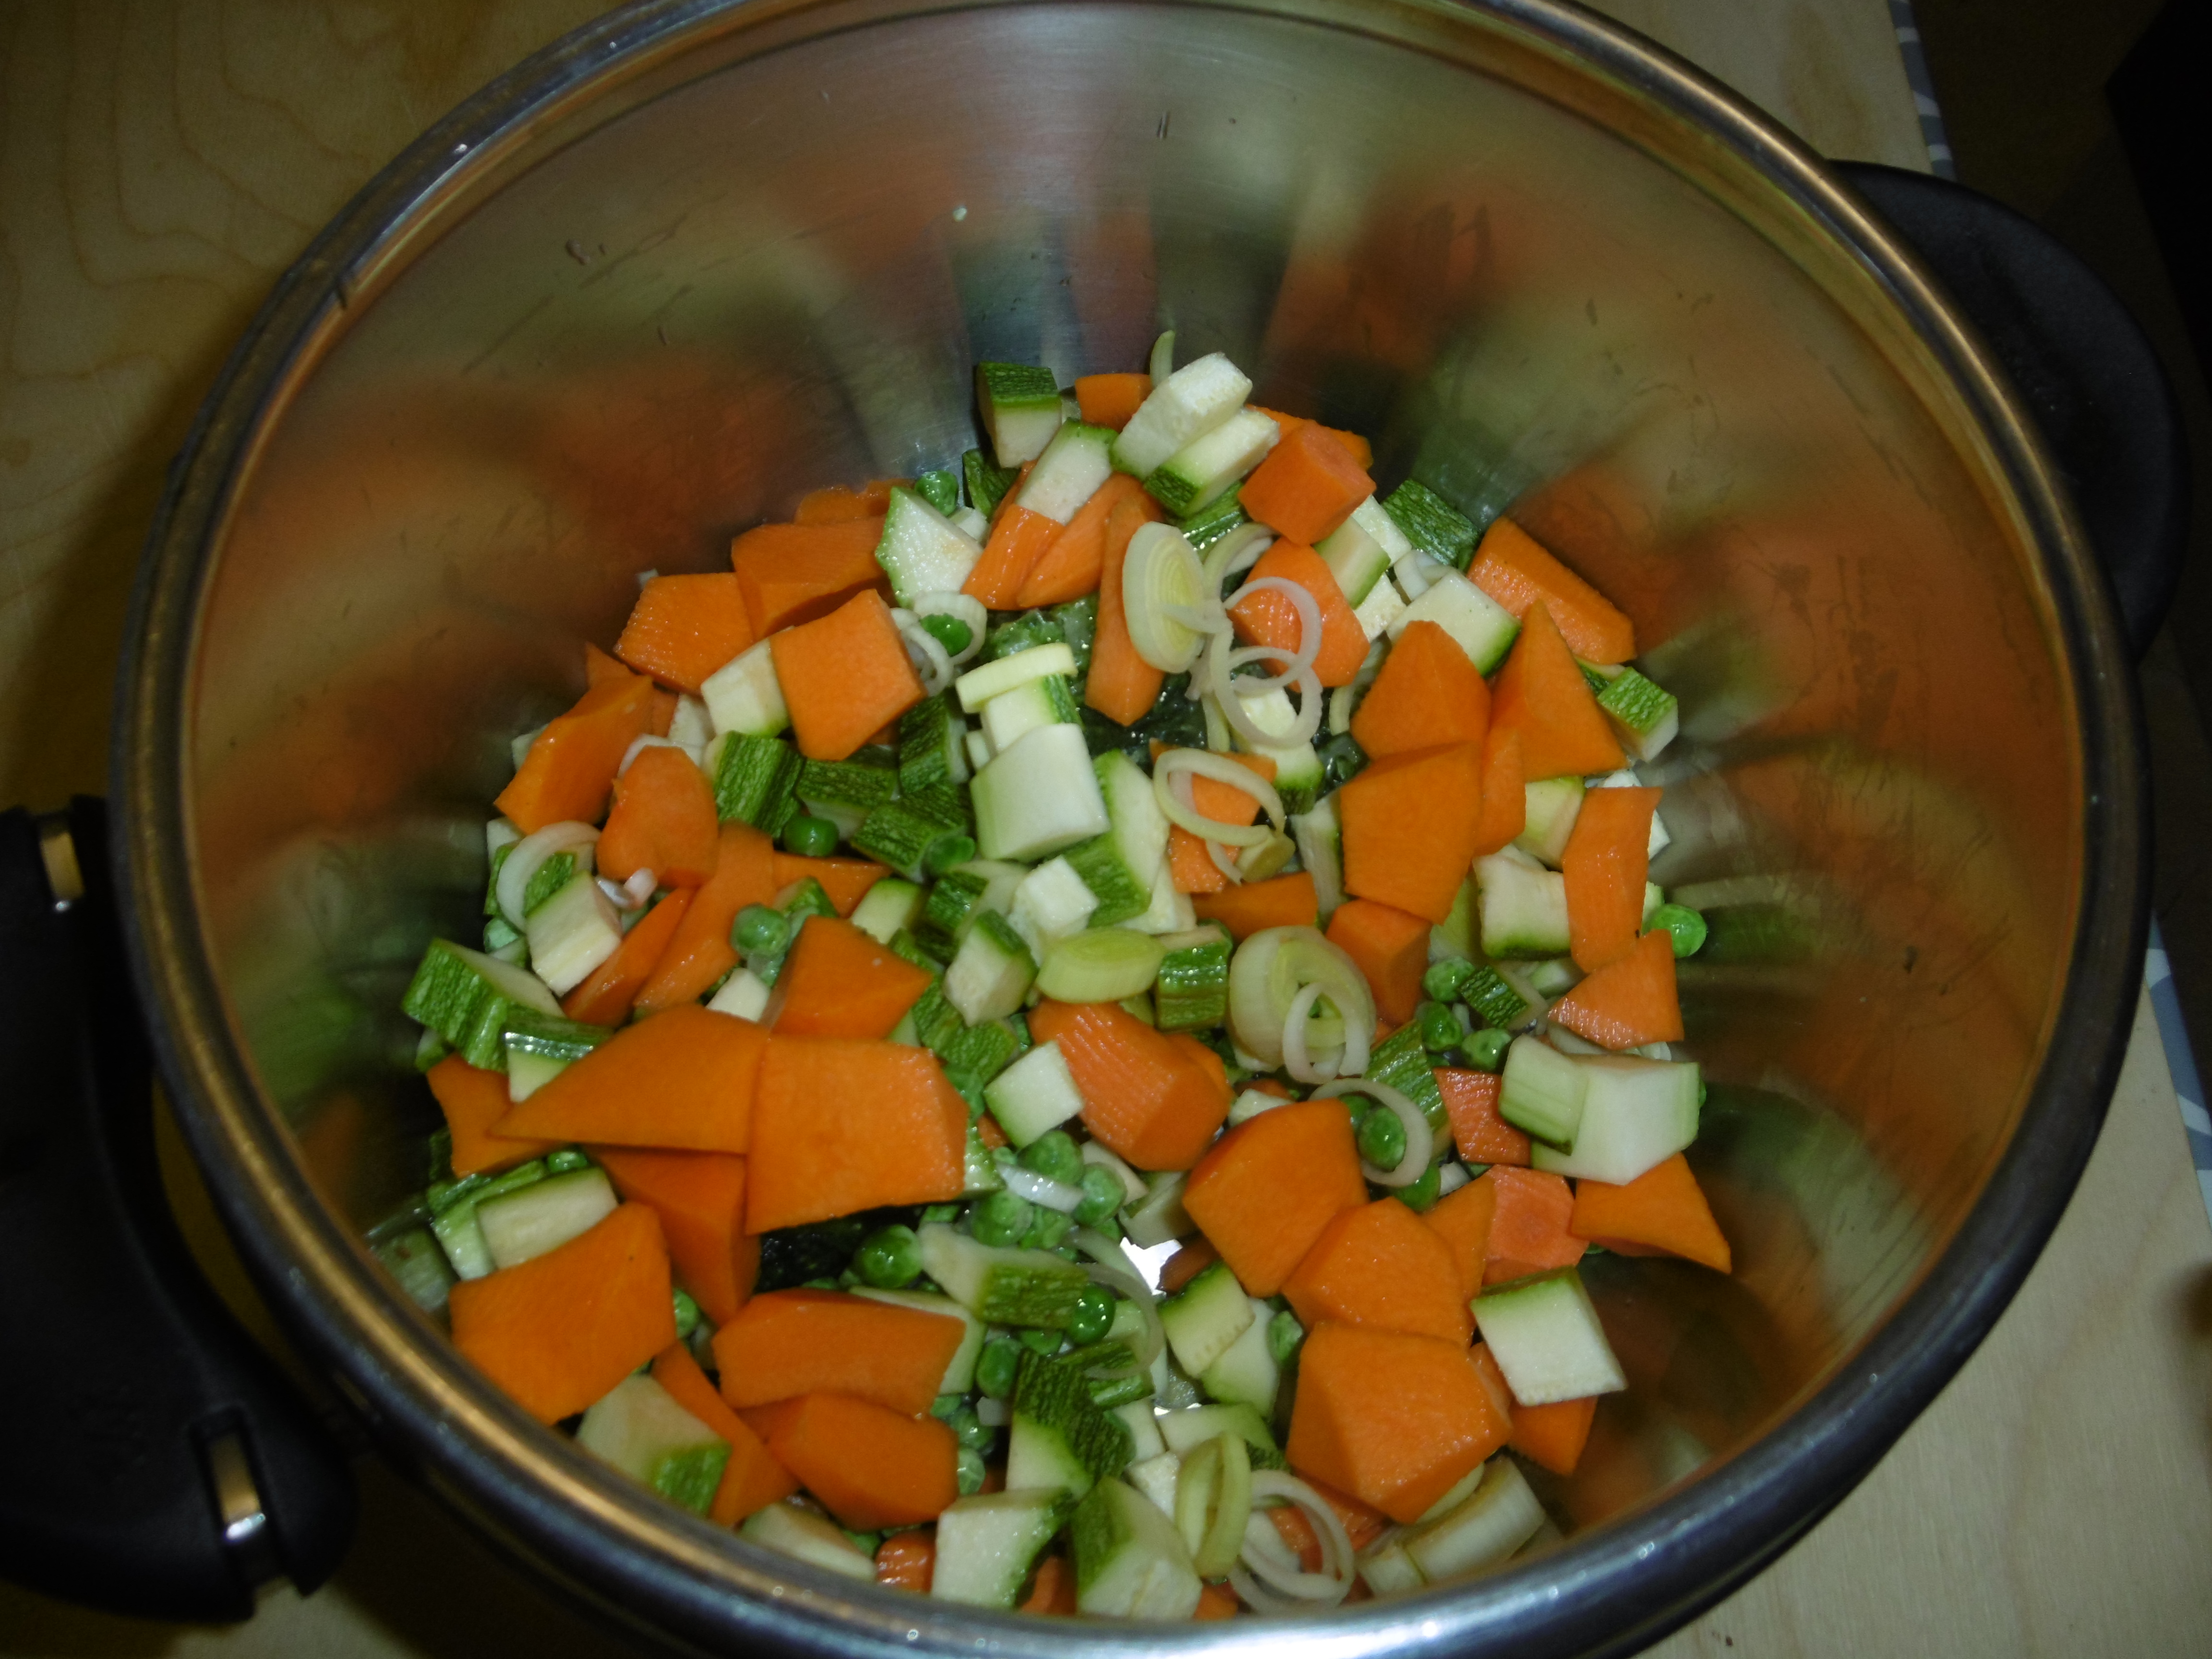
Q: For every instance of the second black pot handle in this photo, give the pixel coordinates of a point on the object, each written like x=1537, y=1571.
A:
x=2079, y=361
x=155, y=1461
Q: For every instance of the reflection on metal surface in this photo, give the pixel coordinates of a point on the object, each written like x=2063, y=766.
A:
x=57, y=851
x=246, y=1534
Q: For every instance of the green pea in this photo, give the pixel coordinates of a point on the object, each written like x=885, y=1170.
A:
x=1102, y=1195
x=867, y=1542
x=1687, y=927
x=956, y=1414
x=1485, y=1049
x=810, y=837
x=1053, y=1155
x=1285, y=1333
x=1044, y=1342
x=948, y=631
x=945, y=851
x=891, y=1259
x=1048, y=1229
x=996, y=1366
x=567, y=1158
x=970, y=1471
x=1093, y=1315
x=1445, y=979
x=759, y=931
x=1382, y=1139
x=940, y=1214
x=687, y=1315
x=1439, y=1027
x=1000, y=1219
x=1422, y=1195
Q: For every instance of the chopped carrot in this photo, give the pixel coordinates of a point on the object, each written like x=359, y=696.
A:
x=1505, y=792
x=1215, y=1601
x=1278, y=901
x=1409, y=828
x=871, y=1467
x=1070, y=563
x=473, y=1101
x=699, y=1198
x=785, y=1343
x=764, y=1419
x=844, y=674
x=663, y=820
x=1493, y=1377
x=598, y=665
x=1186, y=1264
x=1111, y=399
x=841, y=1126
x=1554, y=1436
x=838, y=982
x=571, y=763
x=1481, y=1135
x=1515, y=571
x=1378, y=1266
x=682, y=1080
x=1307, y=486
x=1145, y=1096
x=988, y=1132
x=1358, y=447
x=1387, y=945
x=1663, y=1209
x=605, y=998
x=684, y=627
x=1270, y=616
x=700, y=953
x=1122, y=685
x=664, y=712
x=1429, y=694
x=838, y=505
x=1631, y=1000
x=1363, y=1524
x=1461, y=1218
x=1053, y=1589
x=1265, y=1190
x=908, y=1560
x=1190, y=866
x=1394, y=1419
x=846, y=881
x=1018, y=540
x=1528, y=1227
x=559, y=1330
x=752, y=1479
x=1542, y=694
x=1605, y=863
x=793, y=573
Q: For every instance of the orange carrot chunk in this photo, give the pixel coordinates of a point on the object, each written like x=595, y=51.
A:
x=559, y=1330
x=663, y=820
x=1429, y=694
x=1215, y=1601
x=598, y=665
x=908, y=1560
x=1111, y=399
x=1387, y=945
x=1018, y=541
x=473, y=1101
x=684, y=627
x=571, y=763
x=846, y=881
x=1482, y=1135
x=700, y=953
x=1409, y=828
x=1070, y=563
x=786, y=1343
x=1393, y=1418
x=1053, y=1589
x=1554, y=1436
x=1186, y=1264
x=1265, y=1190
x=1379, y=1265
x=605, y=998
x=1505, y=792
x=1542, y=694
x=1528, y=1229
x=1307, y=486
x=1604, y=865
x=1358, y=447
x=1631, y=1000
x=684, y=1079
x=1122, y=684
x=752, y=1479
x=841, y=1126
x=1190, y=866
x=1147, y=1097
x=699, y=1198
x=838, y=982
x=1278, y=901
x=1271, y=616
x=794, y=573
x=845, y=676
x=1461, y=1218
x=871, y=1467
x=1515, y=571
x=838, y=505
x=1662, y=1210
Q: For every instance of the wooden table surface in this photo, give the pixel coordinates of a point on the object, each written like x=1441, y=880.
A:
x=161, y=162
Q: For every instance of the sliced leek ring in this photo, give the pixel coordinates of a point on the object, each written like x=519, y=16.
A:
x=1100, y=964
x=1266, y=974
x=1161, y=575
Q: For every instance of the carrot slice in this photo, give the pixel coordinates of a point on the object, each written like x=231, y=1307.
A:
x=700, y=953
x=1515, y=570
x=1429, y=694
x=794, y=573
x=1278, y=901
x=473, y=1101
x=1529, y=1230
x=1390, y=947
x=1269, y=617
x=1631, y=1000
x=1482, y=1135
x=663, y=820
x=841, y=1126
x=684, y=1081
x=838, y=982
x=605, y=998
x=1111, y=399
x=1554, y=1436
x=1604, y=864
x=684, y=627
x=786, y=1343
x=752, y=1479
x=1123, y=686
x=1018, y=540
x=846, y=881
x=838, y=505
x=1394, y=1419
x=1378, y=1266
x=1363, y=1524
x=699, y=1198
x=871, y=1467
x=571, y=763
x=1307, y=486
x=1542, y=694
x=1265, y=1190
x=1663, y=1209
x=1053, y=1589
x=1070, y=563
x=1190, y=866
x=1186, y=1264
x=1505, y=792
x=845, y=676
x=1145, y=1096
x=1358, y=447
x=598, y=665
x=1461, y=1218
x=1410, y=823
x=908, y=1560
x=559, y=1330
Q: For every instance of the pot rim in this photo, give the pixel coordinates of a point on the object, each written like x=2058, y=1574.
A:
x=1610, y=1591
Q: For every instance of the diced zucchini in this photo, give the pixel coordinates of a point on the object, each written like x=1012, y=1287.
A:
x=960, y=1369
x=414, y=1259
x=1432, y=525
x=1400, y=1062
x=1207, y=466
x=1356, y=553
x=638, y=1427
x=544, y=1215
x=955, y=900
x=1060, y=1438
x=1320, y=838
x=1020, y=406
x=1523, y=908
x=1545, y=1335
x=1154, y=1475
x=1190, y=990
x=933, y=747
x=1209, y=524
x=891, y=904
x=1645, y=716
x=1554, y=804
x=468, y=997
x=940, y=488
x=921, y=550
x=1158, y=1216
x=743, y=695
x=987, y=483
x=1494, y=1003
x=1050, y=904
x=1168, y=910
x=743, y=995
x=1119, y=865
x=1298, y=768
x=844, y=792
x=1553, y=979
x=1481, y=627
x=1637, y=1114
x=1011, y=714
x=1542, y=1091
x=1130, y=1561
x=1038, y=1092
x=1386, y=1569
x=1481, y=1530
x=755, y=779
x=805, y=1536
x=1002, y=1286
x=1002, y=674
x=1194, y=400
x=992, y=972
x=1250, y=1103
x=901, y=833
x=986, y=1544
x=1204, y=1318
x=1137, y=1417
x=1040, y=796
x=1383, y=607
x=691, y=727
x=1068, y=473
x=571, y=933
x=1246, y=1372
x=1186, y=1430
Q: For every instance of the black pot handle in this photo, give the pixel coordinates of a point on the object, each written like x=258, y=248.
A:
x=2081, y=362
x=153, y=1459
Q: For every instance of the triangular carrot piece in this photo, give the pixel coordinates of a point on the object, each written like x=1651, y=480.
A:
x=684, y=627
x=1663, y=1209
x=683, y=1079
x=1605, y=863
x=1505, y=792
x=605, y=998
x=838, y=982
x=1542, y=694
x=1518, y=572
x=699, y=1198
x=1630, y=1001
x=1070, y=565
x=1271, y=618
x=1428, y=694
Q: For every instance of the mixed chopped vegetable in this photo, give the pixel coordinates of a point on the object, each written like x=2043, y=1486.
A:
x=1056, y=1036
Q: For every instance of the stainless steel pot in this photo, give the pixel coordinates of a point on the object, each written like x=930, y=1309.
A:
x=699, y=258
